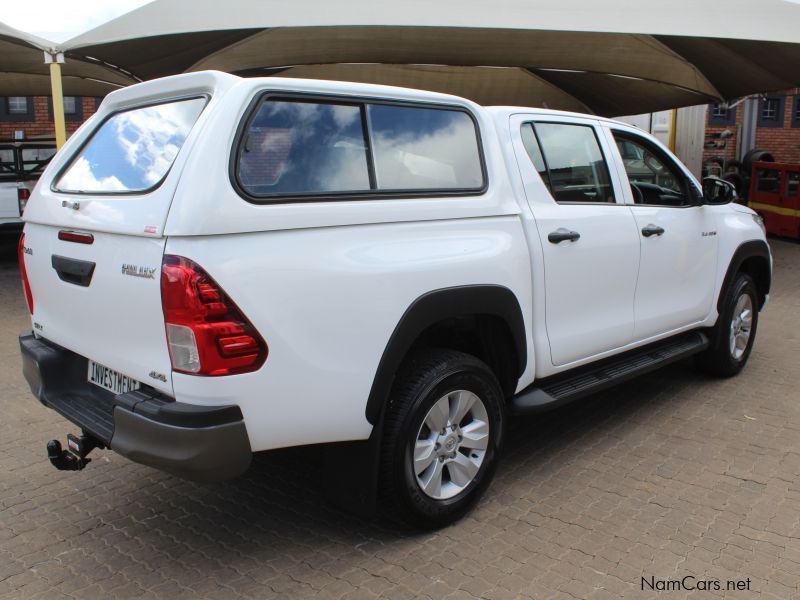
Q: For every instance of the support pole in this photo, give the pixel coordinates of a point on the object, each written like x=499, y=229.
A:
x=673, y=128
x=54, y=60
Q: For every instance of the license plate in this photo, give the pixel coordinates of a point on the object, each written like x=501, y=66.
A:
x=110, y=380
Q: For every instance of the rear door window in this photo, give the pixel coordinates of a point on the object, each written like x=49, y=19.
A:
x=534, y=151
x=576, y=168
x=133, y=150
x=303, y=147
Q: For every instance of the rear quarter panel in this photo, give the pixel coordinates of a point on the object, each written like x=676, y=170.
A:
x=326, y=300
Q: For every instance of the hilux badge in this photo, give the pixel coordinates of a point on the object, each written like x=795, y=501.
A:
x=137, y=271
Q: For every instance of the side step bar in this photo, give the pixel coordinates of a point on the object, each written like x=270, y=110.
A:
x=559, y=390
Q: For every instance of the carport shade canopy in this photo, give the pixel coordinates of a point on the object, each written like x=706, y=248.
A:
x=23, y=71
x=608, y=57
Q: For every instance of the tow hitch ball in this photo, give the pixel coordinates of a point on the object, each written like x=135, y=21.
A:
x=74, y=458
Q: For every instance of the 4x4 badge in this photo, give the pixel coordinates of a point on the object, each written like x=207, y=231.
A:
x=137, y=271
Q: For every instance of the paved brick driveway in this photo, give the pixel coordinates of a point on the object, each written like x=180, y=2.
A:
x=671, y=475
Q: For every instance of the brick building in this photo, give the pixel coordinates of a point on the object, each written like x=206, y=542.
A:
x=33, y=115
x=777, y=128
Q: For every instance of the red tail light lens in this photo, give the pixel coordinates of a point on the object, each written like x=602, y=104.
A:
x=206, y=332
x=75, y=236
x=26, y=286
x=22, y=197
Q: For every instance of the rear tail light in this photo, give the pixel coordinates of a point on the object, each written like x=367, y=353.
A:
x=207, y=334
x=22, y=197
x=26, y=286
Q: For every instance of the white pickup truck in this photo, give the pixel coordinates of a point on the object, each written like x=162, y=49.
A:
x=21, y=163
x=218, y=266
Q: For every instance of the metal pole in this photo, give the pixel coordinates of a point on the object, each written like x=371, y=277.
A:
x=54, y=60
x=746, y=140
x=673, y=128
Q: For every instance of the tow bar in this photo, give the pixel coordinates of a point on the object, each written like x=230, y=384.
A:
x=73, y=459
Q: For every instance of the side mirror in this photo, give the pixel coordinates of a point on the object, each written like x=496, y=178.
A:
x=718, y=191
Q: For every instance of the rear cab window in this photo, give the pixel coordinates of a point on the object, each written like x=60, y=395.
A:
x=298, y=147
x=132, y=150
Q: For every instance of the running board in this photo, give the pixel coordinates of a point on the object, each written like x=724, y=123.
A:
x=558, y=390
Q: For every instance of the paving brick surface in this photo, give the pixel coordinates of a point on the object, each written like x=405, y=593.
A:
x=672, y=475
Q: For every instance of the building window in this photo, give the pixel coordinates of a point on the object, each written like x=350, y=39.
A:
x=17, y=105
x=796, y=111
x=73, y=108
x=70, y=105
x=721, y=114
x=16, y=108
x=770, y=111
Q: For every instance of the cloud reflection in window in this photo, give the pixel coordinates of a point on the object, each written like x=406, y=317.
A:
x=423, y=148
x=133, y=150
x=304, y=147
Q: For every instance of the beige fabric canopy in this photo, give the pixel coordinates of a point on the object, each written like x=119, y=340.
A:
x=24, y=73
x=611, y=57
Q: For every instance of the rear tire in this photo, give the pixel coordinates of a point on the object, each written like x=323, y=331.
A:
x=442, y=436
x=733, y=336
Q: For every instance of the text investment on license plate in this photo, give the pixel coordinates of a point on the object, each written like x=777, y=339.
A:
x=110, y=379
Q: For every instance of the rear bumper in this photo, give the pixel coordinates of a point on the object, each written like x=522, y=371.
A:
x=203, y=443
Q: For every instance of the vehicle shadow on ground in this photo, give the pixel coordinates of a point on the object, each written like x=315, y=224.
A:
x=261, y=514
x=8, y=249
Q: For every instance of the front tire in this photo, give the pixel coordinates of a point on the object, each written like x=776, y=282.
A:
x=733, y=336
x=442, y=435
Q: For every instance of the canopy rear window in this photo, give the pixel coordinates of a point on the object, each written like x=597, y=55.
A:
x=133, y=150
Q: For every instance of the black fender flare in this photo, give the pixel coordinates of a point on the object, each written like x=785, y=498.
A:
x=436, y=306
x=753, y=248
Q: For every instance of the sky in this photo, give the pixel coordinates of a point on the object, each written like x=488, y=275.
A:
x=59, y=20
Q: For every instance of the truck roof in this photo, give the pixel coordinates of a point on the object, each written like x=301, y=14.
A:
x=510, y=110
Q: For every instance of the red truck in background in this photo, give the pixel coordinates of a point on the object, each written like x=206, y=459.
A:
x=775, y=196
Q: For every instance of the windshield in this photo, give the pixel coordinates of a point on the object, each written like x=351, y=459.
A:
x=133, y=150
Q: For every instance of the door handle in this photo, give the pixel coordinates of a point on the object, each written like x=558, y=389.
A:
x=561, y=235
x=72, y=270
x=651, y=229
